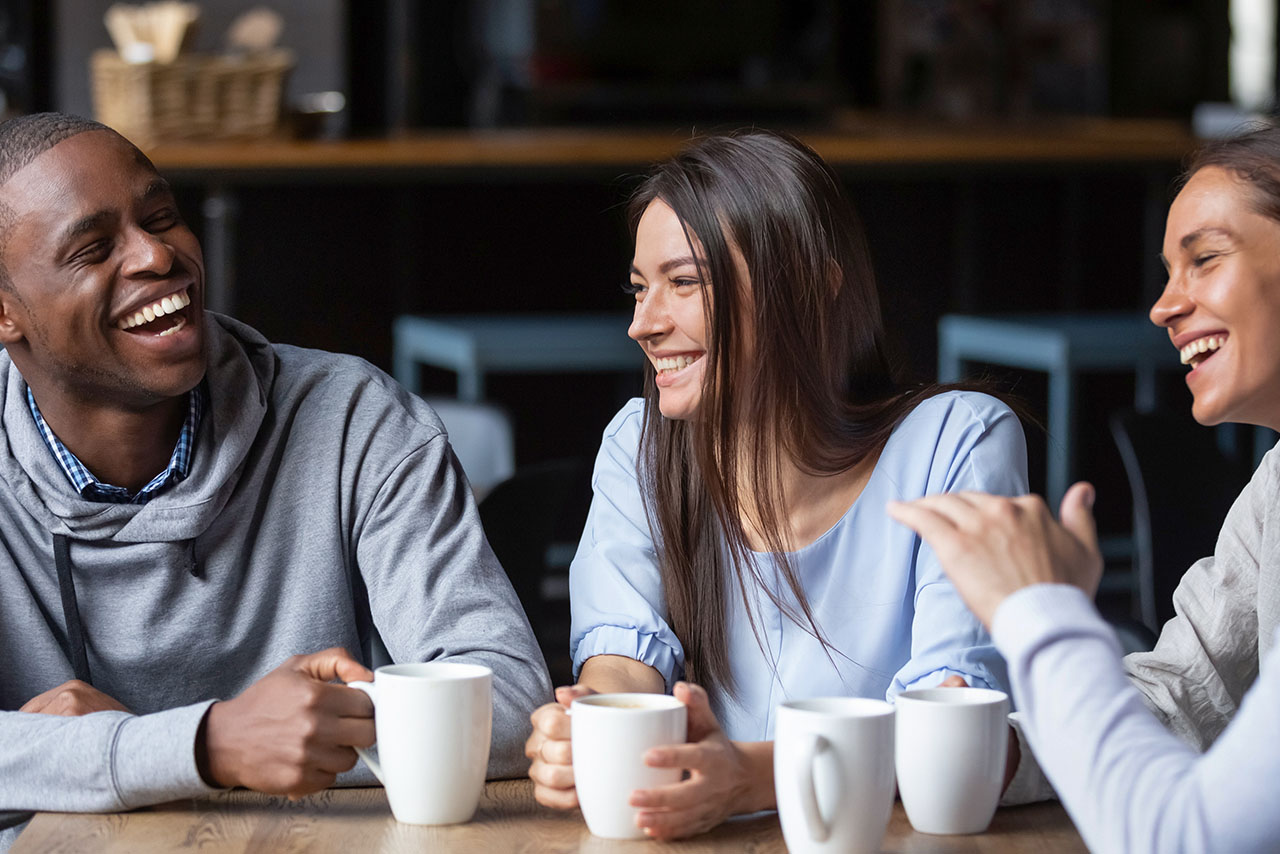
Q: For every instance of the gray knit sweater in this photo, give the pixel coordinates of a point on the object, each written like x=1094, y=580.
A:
x=321, y=496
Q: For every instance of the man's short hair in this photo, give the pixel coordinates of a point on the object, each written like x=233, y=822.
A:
x=24, y=139
x=27, y=137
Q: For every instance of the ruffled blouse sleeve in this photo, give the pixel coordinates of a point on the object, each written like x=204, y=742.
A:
x=616, y=595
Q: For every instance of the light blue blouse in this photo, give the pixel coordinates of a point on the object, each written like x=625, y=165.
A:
x=876, y=591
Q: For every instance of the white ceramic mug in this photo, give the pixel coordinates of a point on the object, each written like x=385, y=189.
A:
x=950, y=756
x=610, y=735
x=433, y=721
x=833, y=774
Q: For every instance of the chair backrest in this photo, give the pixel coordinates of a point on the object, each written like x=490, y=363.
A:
x=482, y=439
x=533, y=519
x=1183, y=485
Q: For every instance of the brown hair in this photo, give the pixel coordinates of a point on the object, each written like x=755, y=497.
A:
x=1253, y=156
x=817, y=389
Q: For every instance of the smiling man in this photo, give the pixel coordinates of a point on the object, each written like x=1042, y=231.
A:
x=196, y=525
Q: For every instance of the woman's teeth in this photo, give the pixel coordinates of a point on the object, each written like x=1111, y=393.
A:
x=1201, y=345
x=168, y=305
x=673, y=363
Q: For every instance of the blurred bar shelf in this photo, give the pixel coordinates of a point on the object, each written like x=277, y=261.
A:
x=865, y=143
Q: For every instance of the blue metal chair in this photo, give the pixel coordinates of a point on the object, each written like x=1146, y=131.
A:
x=1062, y=345
x=472, y=346
x=1183, y=484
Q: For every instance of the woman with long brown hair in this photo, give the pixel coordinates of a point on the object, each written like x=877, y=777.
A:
x=738, y=536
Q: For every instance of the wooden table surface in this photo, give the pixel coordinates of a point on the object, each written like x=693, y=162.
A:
x=508, y=820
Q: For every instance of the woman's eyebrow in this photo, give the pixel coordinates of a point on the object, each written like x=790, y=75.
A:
x=1187, y=240
x=672, y=264
x=675, y=263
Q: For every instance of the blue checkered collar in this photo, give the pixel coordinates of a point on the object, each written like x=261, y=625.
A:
x=91, y=488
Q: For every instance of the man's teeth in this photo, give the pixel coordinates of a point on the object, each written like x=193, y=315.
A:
x=1201, y=345
x=168, y=305
x=182, y=321
x=673, y=363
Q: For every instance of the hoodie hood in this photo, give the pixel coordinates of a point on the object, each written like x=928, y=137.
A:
x=239, y=359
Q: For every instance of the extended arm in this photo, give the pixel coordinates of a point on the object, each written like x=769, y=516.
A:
x=1207, y=655
x=1129, y=784
x=99, y=762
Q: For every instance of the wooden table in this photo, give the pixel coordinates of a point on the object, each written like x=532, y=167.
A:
x=508, y=821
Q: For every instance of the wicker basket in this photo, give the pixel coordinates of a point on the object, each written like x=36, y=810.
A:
x=193, y=98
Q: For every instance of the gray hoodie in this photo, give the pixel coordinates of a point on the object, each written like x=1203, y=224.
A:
x=320, y=496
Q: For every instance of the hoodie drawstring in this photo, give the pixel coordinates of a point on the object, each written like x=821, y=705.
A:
x=70, y=610
x=193, y=565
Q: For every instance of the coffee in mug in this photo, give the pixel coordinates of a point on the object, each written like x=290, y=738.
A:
x=611, y=703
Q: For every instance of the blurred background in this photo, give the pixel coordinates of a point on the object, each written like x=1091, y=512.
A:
x=473, y=158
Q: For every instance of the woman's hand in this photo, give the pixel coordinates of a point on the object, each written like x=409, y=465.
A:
x=725, y=777
x=991, y=547
x=551, y=751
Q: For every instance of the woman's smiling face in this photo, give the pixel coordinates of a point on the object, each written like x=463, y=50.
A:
x=1221, y=304
x=670, y=322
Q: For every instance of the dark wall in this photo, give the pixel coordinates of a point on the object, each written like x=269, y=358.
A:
x=331, y=267
x=25, y=56
x=992, y=241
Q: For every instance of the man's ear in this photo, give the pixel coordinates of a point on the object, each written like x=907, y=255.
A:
x=12, y=316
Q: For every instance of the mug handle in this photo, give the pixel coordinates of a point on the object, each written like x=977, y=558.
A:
x=363, y=753
x=819, y=829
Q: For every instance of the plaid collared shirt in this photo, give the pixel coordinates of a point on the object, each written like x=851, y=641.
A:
x=89, y=487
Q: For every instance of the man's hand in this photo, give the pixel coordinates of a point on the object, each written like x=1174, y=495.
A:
x=551, y=749
x=724, y=778
x=991, y=547
x=291, y=732
x=72, y=699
